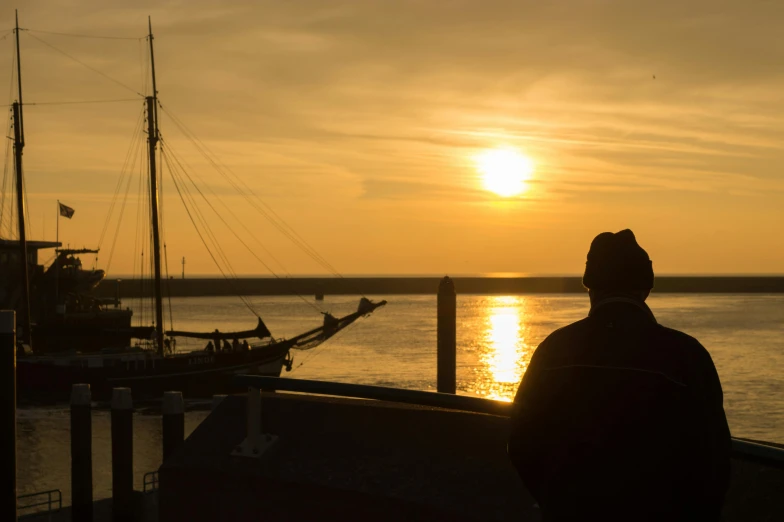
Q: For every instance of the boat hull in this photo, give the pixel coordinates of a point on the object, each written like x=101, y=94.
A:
x=195, y=374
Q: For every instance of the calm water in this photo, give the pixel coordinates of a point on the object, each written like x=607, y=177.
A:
x=397, y=347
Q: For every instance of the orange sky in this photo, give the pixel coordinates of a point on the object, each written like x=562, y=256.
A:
x=358, y=122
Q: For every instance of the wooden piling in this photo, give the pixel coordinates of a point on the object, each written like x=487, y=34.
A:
x=447, y=337
x=173, y=422
x=8, y=413
x=81, y=453
x=122, y=455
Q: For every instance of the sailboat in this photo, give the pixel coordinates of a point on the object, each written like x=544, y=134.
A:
x=152, y=366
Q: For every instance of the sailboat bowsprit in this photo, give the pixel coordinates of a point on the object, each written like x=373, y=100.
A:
x=153, y=365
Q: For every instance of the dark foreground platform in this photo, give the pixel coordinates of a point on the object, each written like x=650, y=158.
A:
x=351, y=459
x=340, y=459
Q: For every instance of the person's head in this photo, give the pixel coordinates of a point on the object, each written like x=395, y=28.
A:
x=616, y=264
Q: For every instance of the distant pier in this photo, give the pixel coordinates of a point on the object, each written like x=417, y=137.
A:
x=309, y=286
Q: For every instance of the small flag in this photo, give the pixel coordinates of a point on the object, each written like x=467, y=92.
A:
x=66, y=211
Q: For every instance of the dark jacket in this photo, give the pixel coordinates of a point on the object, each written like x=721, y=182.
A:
x=619, y=418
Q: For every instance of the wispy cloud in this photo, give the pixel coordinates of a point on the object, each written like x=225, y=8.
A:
x=354, y=106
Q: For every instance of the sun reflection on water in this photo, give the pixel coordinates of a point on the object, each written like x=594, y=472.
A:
x=504, y=350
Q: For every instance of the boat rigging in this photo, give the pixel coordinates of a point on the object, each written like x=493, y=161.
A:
x=156, y=365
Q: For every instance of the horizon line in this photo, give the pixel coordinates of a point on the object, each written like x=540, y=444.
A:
x=486, y=275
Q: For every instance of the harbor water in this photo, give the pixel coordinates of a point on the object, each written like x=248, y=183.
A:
x=496, y=336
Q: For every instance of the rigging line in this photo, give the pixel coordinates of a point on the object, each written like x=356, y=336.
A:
x=138, y=247
x=221, y=218
x=138, y=227
x=163, y=233
x=315, y=354
x=121, y=84
x=201, y=237
x=8, y=145
x=168, y=287
x=209, y=155
x=151, y=253
x=148, y=235
x=26, y=205
x=241, y=222
x=135, y=152
x=202, y=221
x=247, y=247
x=182, y=168
x=6, y=160
x=211, y=236
x=141, y=65
x=296, y=239
x=129, y=177
x=236, y=187
x=77, y=102
x=12, y=75
x=73, y=35
x=123, y=173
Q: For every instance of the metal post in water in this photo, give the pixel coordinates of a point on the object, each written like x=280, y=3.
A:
x=81, y=453
x=447, y=337
x=8, y=414
x=173, y=422
x=122, y=455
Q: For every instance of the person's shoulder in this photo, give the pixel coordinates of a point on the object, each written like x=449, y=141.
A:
x=684, y=342
x=679, y=337
x=566, y=332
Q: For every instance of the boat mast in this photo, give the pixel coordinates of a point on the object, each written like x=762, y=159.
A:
x=20, y=202
x=152, y=138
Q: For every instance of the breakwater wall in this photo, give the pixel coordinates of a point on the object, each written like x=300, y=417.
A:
x=308, y=286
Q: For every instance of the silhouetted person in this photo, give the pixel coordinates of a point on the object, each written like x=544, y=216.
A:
x=210, y=347
x=226, y=346
x=235, y=345
x=245, y=345
x=619, y=418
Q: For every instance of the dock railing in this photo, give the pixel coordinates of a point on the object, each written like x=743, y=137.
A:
x=53, y=503
x=150, y=482
x=768, y=455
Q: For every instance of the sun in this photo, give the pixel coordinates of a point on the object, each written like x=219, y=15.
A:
x=504, y=171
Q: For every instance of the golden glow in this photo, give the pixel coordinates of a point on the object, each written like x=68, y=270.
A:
x=504, y=171
x=505, y=351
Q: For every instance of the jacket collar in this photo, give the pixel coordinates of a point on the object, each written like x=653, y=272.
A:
x=627, y=302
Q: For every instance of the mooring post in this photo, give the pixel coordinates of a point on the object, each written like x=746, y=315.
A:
x=173, y=422
x=8, y=414
x=447, y=337
x=81, y=453
x=256, y=441
x=122, y=455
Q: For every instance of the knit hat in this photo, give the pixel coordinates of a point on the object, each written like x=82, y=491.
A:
x=617, y=263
